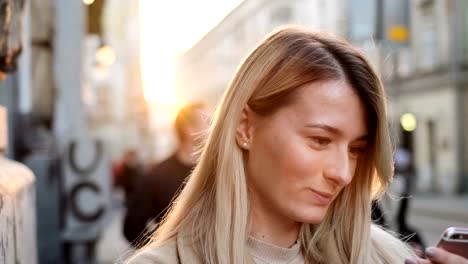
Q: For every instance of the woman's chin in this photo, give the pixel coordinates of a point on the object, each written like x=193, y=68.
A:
x=313, y=220
x=313, y=217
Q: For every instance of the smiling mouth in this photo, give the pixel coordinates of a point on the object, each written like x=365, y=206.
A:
x=321, y=198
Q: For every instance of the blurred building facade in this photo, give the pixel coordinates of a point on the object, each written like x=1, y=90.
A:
x=426, y=78
x=76, y=98
x=117, y=111
x=423, y=71
x=205, y=70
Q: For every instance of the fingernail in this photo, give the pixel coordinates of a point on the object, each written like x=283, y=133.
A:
x=411, y=261
x=430, y=252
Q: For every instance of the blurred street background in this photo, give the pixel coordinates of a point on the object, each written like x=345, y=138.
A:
x=89, y=85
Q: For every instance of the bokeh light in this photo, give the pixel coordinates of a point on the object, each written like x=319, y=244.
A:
x=106, y=55
x=88, y=2
x=408, y=122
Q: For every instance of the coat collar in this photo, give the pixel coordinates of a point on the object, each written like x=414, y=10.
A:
x=186, y=253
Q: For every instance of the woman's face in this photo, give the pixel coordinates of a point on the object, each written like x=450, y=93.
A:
x=300, y=157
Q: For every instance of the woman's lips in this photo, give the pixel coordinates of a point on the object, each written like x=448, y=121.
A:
x=321, y=198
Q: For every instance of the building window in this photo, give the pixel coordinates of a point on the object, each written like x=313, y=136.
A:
x=465, y=29
x=363, y=20
x=281, y=15
x=239, y=34
x=427, y=40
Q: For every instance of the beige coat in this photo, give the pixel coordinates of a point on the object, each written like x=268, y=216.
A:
x=175, y=251
x=180, y=251
x=172, y=252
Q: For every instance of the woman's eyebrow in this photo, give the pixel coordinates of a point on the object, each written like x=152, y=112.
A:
x=334, y=130
x=325, y=127
x=362, y=139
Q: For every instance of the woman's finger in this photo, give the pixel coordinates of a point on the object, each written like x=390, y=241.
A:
x=440, y=256
x=415, y=260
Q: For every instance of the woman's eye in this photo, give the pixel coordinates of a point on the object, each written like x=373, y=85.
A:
x=356, y=151
x=321, y=141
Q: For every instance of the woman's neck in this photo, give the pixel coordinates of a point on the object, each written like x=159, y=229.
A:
x=271, y=227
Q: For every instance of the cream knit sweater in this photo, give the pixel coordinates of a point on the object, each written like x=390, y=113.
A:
x=265, y=253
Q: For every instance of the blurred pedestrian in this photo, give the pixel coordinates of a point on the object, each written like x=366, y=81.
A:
x=127, y=172
x=298, y=148
x=156, y=190
x=404, y=173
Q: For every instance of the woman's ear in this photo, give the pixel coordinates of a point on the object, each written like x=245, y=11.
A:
x=244, y=132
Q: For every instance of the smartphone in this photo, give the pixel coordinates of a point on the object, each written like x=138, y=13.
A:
x=455, y=240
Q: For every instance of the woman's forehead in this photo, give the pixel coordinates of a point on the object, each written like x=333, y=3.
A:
x=333, y=103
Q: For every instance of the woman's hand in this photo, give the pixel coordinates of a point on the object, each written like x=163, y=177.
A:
x=438, y=256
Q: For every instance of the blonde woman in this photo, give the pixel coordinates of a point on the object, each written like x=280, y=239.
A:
x=297, y=149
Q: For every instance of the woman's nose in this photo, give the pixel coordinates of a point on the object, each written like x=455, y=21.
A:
x=338, y=168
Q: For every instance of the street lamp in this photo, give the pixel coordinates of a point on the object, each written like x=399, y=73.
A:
x=408, y=122
x=88, y=2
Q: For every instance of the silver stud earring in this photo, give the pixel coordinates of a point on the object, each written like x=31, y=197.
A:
x=245, y=145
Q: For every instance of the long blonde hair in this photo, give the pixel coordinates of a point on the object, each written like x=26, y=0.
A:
x=213, y=208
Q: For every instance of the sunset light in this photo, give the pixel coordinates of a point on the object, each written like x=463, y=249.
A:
x=167, y=30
